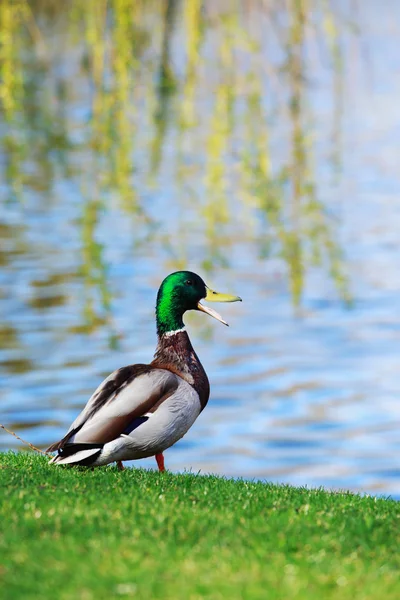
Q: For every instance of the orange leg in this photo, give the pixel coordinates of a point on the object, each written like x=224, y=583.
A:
x=160, y=462
x=120, y=466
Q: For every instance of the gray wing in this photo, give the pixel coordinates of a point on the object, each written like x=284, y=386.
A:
x=125, y=395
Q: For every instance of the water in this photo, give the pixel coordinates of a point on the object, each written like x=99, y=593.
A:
x=124, y=161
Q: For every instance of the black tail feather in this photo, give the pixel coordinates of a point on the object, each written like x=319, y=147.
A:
x=69, y=449
x=88, y=462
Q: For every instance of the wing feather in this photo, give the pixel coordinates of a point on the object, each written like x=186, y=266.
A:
x=125, y=395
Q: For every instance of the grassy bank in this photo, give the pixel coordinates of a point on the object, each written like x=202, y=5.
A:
x=77, y=534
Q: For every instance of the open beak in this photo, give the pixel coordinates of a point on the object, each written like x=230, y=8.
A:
x=216, y=297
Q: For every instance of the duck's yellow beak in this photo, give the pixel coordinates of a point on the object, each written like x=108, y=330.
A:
x=216, y=297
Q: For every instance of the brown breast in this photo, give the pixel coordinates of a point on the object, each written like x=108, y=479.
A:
x=175, y=353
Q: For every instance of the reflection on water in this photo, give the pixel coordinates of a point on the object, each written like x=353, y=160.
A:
x=107, y=103
x=241, y=141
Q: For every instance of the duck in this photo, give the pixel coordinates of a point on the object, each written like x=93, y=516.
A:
x=141, y=410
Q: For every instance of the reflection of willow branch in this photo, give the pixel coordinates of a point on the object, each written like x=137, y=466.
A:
x=122, y=123
x=187, y=121
x=308, y=219
x=331, y=40
x=112, y=135
x=293, y=250
x=299, y=229
x=255, y=161
x=338, y=91
x=33, y=121
x=321, y=237
x=193, y=23
x=216, y=210
x=166, y=86
x=11, y=89
x=94, y=269
x=96, y=37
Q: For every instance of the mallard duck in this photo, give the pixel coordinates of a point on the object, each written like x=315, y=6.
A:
x=141, y=410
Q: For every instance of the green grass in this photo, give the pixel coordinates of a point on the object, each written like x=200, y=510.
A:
x=81, y=534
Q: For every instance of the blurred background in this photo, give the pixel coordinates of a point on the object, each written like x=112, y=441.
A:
x=254, y=142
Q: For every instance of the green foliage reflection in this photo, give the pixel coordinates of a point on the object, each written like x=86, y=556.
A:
x=118, y=92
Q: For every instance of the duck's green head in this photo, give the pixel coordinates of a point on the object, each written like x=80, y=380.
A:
x=182, y=291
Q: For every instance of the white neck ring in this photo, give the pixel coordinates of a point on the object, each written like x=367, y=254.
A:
x=169, y=333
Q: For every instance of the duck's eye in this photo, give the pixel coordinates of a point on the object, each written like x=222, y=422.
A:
x=189, y=282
